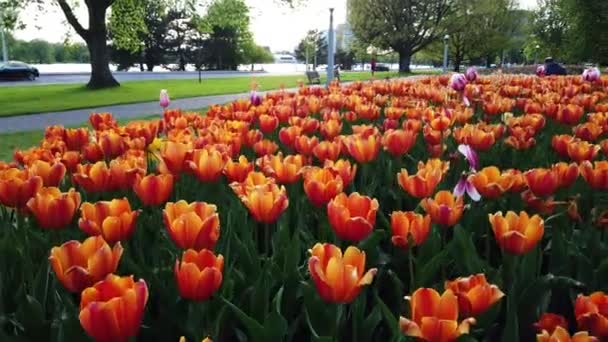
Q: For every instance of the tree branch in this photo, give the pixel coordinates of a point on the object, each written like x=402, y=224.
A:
x=71, y=18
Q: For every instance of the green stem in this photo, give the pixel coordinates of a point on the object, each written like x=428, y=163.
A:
x=267, y=244
x=411, y=266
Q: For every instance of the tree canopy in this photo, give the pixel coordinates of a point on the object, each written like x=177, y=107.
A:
x=405, y=26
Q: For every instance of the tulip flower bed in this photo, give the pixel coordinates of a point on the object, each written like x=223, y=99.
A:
x=309, y=216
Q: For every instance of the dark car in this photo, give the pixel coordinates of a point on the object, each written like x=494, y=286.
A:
x=17, y=70
x=382, y=67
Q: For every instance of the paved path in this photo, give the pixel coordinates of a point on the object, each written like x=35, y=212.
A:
x=77, y=117
x=71, y=78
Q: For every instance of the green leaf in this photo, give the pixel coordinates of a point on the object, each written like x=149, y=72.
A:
x=369, y=325
x=425, y=273
x=465, y=253
x=275, y=327
x=255, y=329
x=390, y=319
x=511, y=329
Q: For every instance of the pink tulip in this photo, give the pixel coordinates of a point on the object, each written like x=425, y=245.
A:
x=471, y=74
x=464, y=186
x=164, y=99
x=255, y=98
x=591, y=74
x=540, y=71
x=458, y=82
x=469, y=153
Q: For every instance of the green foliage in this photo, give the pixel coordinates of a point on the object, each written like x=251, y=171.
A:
x=315, y=45
x=127, y=25
x=405, y=26
x=40, y=51
x=573, y=30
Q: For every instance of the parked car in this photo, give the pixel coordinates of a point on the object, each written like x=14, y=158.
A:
x=382, y=67
x=16, y=70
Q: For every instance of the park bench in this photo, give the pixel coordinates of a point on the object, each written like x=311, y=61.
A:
x=314, y=78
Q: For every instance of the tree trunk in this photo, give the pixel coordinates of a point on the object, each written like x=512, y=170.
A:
x=405, y=58
x=101, y=76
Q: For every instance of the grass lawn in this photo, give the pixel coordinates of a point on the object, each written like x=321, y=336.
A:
x=49, y=98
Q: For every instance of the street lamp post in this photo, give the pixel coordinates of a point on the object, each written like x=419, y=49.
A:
x=330, y=48
x=445, y=52
x=4, y=48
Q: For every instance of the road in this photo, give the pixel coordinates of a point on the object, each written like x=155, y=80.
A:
x=72, y=78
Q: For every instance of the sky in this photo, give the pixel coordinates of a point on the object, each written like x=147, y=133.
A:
x=279, y=27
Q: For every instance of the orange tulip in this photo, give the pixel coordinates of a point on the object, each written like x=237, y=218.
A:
x=588, y=131
x=542, y=182
x=146, y=130
x=123, y=172
x=17, y=187
x=363, y=149
x=268, y=123
x=444, y=208
x=78, y=266
x=206, y=339
x=567, y=173
x=174, y=156
x=544, y=206
x=581, y=150
x=327, y=150
x=153, y=189
x=434, y=317
x=519, y=183
x=199, y=274
x=517, y=234
x=304, y=144
x=596, y=174
x=195, y=225
x=75, y=138
x=331, y=129
x=321, y=185
x=102, y=121
x=112, y=309
x=265, y=147
x=114, y=220
x=422, y=184
x=477, y=138
x=92, y=152
x=570, y=114
x=549, y=322
x=112, y=144
x=475, y=294
x=252, y=180
x=266, y=203
x=288, y=135
x=352, y=217
x=92, y=177
x=408, y=223
x=338, y=278
x=54, y=209
x=70, y=159
x=285, y=170
x=237, y=171
x=561, y=335
x=591, y=313
x=398, y=142
x=207, y=164
x=491, y=183
x=343, y=167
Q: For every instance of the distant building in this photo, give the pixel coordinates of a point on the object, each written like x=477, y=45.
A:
x=284, y=58
x=344, y=36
